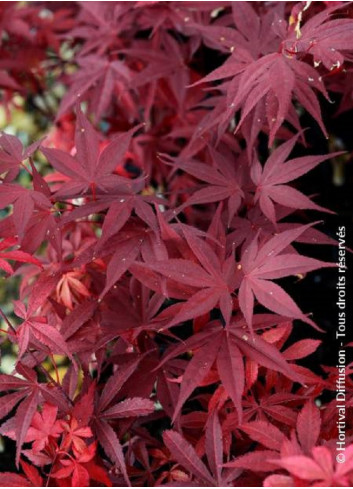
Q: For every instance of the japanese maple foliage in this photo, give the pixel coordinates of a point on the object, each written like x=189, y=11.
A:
x=149, y=227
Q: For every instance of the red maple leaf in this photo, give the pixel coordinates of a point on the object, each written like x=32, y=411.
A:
x=44, y=428
x=261, y=264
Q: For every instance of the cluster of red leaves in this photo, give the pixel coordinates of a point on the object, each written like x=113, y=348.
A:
x=150, y=251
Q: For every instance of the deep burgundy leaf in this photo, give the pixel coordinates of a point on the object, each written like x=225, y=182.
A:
x=230, y=366
x=214, y=445
x=185, y=454
x=111, y=445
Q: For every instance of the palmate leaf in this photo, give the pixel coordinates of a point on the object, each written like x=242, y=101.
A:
x=90, y=171
x=43, y=426
x=226, y=348
x=278, y=80
x=222, y=178
x=203, y=300
x=271, y=179
x=272, y=407
x=96, y=23
x=327, y=39
x=271, y=83
x=96, y=81
x=36, y=328
x=215, y=279
x=261, y=264
x=161, y=63
x=257, y=33
x=153, y=271
x=266, y=77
